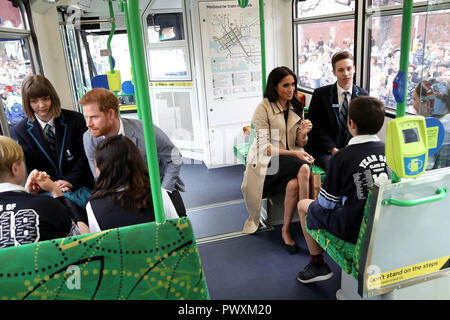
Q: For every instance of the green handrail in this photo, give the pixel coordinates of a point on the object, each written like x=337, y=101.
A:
x=404, y=61
x=440, y=194
x=113, y=28
x=134, y=31
x=123, y=8
x=263, y=44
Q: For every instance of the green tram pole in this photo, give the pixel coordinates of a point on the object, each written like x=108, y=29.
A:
x=134, y=31
x=243, y=4
x=401, y=80
x=263, y=44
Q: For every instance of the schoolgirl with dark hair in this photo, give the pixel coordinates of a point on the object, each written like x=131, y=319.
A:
x=276, y=161
x=122, y=194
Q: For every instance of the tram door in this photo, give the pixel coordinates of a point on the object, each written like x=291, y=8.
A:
x=173, y=90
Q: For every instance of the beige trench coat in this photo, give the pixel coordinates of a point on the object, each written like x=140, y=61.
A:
x=270, y=128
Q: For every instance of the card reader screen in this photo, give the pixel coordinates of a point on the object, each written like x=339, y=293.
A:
x=410, y=135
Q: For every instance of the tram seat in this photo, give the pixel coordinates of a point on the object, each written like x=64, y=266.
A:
x=141, y=262
x=347, y=255
x=241, y=149
x=401, y=251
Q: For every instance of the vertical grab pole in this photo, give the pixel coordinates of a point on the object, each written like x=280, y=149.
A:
x=113, y=29
x=404, y=53
x=401, y=80
x=124, y=8
x=263, y=44
x=143, y=100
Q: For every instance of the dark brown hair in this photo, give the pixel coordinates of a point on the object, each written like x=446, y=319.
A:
x=104, y=98
x=338, y=56
x=367, y=113
x=38, y=86
x=275, y=77
x=121, y=166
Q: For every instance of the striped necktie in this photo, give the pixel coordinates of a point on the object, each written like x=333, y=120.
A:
x=342, y=140
x=51, y=140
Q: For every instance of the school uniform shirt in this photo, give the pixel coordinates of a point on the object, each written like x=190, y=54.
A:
x=350, y=174
x=28, y=218
x=104, y=213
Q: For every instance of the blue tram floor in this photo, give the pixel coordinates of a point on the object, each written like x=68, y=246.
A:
x=257, y=267
x=239, y=266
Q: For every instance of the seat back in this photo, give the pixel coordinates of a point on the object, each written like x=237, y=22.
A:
x=147, y=261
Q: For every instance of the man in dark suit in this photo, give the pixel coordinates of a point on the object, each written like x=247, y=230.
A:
x=328, y=110
x=101, y=110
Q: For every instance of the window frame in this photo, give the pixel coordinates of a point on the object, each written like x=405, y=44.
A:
x=296, y=21
x=392, y=10
x=167, y=45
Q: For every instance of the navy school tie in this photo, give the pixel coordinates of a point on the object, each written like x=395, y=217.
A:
x=342, y=140
x=51, y=140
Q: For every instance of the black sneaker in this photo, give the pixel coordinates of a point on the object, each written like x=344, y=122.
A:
x=314, y=274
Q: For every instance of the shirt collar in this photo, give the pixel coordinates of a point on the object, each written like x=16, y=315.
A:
x=7, y=186
x=51, y=122
x=363, y=139
x=121, y=129
x=340, y=90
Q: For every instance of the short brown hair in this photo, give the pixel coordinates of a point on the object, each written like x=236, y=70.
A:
x=338, y=56
x=38, y=86
x=104, y=98
x=10, y=152
x=367, y=113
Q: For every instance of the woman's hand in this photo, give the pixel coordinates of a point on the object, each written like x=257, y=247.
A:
x=305, y=126
x=302, y=155
x=64, y=185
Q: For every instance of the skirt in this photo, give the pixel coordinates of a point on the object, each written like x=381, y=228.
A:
x=279, y=173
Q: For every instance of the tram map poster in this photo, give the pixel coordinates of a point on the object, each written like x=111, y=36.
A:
x=231, y=48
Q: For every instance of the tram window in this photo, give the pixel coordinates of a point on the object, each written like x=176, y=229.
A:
x=165, y=27
x=161, y=69
x=10, y=16
x=15, y=65
x=316, y=43
x=385, y=3
x=120, y=53
x=429, y=57
x=323, y=7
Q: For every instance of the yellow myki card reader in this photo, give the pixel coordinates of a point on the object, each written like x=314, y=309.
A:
x=407, y=146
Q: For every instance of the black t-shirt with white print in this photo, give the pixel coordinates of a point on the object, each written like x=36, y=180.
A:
x=28, y=218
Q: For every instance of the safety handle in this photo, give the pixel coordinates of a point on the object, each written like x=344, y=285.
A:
x=440, y=194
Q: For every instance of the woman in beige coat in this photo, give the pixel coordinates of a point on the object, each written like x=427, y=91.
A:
x=276, y=160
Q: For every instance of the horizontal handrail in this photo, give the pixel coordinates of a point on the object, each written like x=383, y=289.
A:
x=440, y=194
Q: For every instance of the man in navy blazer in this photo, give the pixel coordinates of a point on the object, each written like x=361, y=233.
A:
x=101, y=110
x=326, y=104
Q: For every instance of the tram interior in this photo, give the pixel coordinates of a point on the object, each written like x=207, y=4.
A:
x=194, y=104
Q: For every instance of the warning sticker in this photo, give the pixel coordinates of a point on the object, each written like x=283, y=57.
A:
x=377, y=281
x=171, y=84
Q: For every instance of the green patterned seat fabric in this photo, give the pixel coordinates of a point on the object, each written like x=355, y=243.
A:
x=318, y=170
x=339, y=250
x=345, y=254
x=145, y=261
x=362, y=233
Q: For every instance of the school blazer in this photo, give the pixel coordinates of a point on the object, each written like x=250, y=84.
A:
x=71, y=163
x=324, y=118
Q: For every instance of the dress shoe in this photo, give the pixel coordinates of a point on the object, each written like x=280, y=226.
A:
x=292, y=248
